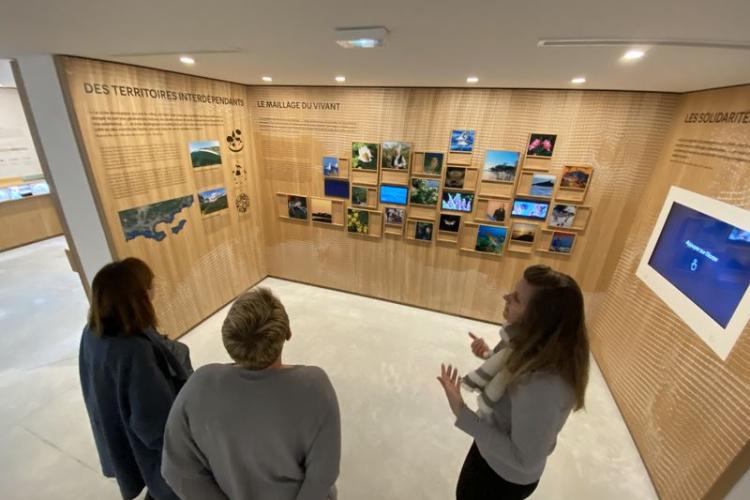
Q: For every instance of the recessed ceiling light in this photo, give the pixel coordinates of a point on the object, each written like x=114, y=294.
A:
x=187, y=60
x=633, y=55
x=341, y=79
x=267, y=79
x=578, y=80
x=472, y=79
x=361, y=38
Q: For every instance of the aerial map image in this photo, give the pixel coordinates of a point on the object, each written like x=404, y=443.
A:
x=142, y=221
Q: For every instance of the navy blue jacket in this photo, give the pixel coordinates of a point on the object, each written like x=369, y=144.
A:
x=129, y=384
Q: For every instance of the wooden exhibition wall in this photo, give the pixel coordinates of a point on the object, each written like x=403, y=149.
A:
x=688, y=411
x=620, y=134
x=141, y=131
x=28, y=220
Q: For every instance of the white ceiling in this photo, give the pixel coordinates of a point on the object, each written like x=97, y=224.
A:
x=431, y=43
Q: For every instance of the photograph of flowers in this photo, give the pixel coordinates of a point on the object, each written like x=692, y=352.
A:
x=364, y=156
x=357, y=221
x=424, y=191
x=396, y=155
x=541, y=146
x=500, y=166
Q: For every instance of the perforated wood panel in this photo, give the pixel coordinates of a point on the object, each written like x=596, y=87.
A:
x=688, y=411
x=136, y=125
x=618, y=133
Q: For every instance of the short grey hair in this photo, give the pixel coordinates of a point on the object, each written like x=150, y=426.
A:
x=255, y=329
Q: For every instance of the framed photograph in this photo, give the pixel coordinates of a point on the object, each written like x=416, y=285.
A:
x=497, y=211
x=396, y=155
x=364, y=156
x=491, y=239
x=455, y=177
x=541, y=145
x=357, y=221
x=424, y=191
x=462, y=141
x=359, y=196
x=205, y=153
x=562, y=242
x=330, y=166
x=321, y=210
x=297, y=207
x=542, y=185
x=460, y=201
x=423, y=231
x=433, y=163
x=213, y=201
x=523, y=233
x=336, y=188
x=575, y=177
x=563, y=215
x=395, y=216
x=500, y=166
x=450, y=223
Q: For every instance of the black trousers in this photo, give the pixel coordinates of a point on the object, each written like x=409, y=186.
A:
x=479, y=482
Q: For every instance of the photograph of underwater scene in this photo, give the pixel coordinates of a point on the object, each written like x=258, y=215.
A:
x=491, y=239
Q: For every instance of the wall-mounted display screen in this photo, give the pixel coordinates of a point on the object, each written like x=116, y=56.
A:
x=698, y=262
x=530, y=209
x=458, y=201
x=336, y=188
x=394, y=195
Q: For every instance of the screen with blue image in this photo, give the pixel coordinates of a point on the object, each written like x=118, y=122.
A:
x=336, y=188
x=530, y=209
x=706, y=259
x=395, y=195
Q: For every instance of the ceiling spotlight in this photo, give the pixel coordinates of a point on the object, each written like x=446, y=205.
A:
x=361, y=38
x=472, y=79
x=187, y=60
x=633, y=55
x=341, y=79
x=578, y=80
x=267, y=79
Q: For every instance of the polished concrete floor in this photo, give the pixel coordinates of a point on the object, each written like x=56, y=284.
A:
x=398, y=436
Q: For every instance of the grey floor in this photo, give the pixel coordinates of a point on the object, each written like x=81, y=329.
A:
x=398, y=437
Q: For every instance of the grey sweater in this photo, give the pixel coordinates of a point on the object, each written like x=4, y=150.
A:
x=524, y=427
x=262, y=435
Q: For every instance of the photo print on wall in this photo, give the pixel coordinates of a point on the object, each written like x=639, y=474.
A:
x=213, y=201
x=364, y=156
x=496, y=210
x=396, y=155
x=542, y=185
x=433, y=163
x=357, y=221
x=563, y=215
x=491, y=239
x=359, y=196
x=321, y=210
x=394, y=216
x=523, y=233
x=297, y=207
x=455, y=177
x=541, y=145
x=330, y=166
x=575, y=177
x=142, y=221
x=204, y=153
x=562, y=242
x=423, y=231
x=500, y=166
x=424, y=191
x=462, y=141
x=450, y=223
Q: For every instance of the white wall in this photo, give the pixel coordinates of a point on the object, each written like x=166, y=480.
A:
x=17, y=154
x=38, y=82
x=741, y=490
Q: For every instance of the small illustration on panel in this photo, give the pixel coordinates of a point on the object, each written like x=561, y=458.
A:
x=242, y=202
x=542, y=185
x=234, y=141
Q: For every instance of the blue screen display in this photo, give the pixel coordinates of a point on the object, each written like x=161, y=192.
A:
x=395, y=195
x=705, y=259
x=336, y=188
x=530, y=209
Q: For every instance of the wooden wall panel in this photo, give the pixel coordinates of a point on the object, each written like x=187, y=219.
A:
x=688, y=411
x=28, y=220
x=136, y=145
x=618, y=133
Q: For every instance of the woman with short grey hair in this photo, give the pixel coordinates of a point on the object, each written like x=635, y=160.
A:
x=257, y=428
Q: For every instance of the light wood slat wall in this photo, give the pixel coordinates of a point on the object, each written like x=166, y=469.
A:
x=28, y=220
x=212, y=259
x=688, y=411
x=620, y=134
